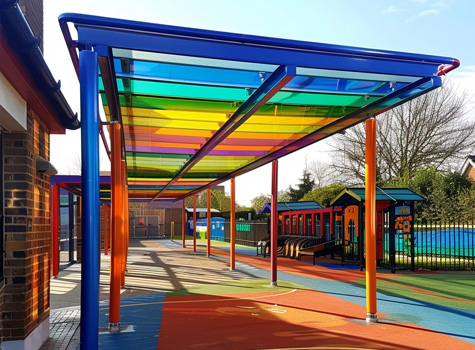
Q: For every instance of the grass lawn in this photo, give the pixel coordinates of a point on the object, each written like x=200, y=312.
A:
x=447, y=289
x=238, y=286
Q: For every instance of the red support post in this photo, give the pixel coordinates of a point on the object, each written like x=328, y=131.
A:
x=232, y=240
x=194, y=222
x=274, y=225
x=55, y=230
x=208, y=222
x=370, y=221
x=183, y=226
x=106, y=228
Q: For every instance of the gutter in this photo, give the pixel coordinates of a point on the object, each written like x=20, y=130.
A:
x=22, y=40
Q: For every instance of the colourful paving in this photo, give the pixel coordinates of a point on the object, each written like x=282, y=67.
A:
x=319, y=307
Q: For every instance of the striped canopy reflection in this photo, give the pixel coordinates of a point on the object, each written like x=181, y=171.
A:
x=200, y=107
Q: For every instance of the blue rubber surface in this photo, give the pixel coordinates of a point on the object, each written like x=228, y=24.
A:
x=144, y=313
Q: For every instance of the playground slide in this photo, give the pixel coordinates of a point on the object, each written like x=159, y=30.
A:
x=322, y=249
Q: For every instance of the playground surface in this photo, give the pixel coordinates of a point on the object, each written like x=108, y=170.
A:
x=177, y=299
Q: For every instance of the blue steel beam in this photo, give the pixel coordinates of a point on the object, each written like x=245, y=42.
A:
x=88, y=64
x=259, y=54
x=396, y=98
x=229, y=46
x=276, y=81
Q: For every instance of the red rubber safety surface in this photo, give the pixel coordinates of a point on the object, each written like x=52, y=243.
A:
x=298, y=319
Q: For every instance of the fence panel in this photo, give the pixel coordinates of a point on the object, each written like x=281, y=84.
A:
x=445, y=246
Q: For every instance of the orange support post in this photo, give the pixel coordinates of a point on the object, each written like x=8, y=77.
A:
x=117, y=225
x=274, y=225
x=208, y=223
x=55, y=230
x=183, y=226
x=370, y=221
x=232, y=240
x=106, y=228
x=194, y=223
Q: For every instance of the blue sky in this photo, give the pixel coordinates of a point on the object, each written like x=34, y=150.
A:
x=441, y=27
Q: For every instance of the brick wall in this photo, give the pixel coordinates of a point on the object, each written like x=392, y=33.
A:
x=471, y=174
x=25, y=296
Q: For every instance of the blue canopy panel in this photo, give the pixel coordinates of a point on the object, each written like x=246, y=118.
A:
x=199, y=107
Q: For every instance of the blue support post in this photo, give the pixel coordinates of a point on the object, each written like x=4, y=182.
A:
x=88, y=70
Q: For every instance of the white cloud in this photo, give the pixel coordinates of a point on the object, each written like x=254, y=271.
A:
x=441, y=4
x=393, y=9
x=427, y=12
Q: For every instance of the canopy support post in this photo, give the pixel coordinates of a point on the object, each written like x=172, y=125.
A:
x=106, y=228
x=116, y=226
x=274, y=225
x=370, y=221
x=88, y=69
x=183, y=226
x=208, y=222
x=232, y=238
x=194, y=223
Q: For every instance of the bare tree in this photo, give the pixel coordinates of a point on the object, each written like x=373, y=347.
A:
x=74, y=165
x=322, y=173
x=429, y=131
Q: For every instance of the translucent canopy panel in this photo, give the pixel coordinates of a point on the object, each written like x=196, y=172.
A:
x=199, y=107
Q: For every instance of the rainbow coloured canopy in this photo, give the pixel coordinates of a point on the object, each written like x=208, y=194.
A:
x=199, y=107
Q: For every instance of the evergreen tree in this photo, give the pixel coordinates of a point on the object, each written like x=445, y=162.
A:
x=307, y=183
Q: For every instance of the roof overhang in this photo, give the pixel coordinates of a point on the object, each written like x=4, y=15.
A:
x=199, y=107
x=17, y=75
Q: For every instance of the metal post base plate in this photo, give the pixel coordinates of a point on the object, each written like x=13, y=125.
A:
x=371, y=318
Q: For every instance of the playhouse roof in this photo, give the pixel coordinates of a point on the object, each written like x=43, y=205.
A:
x=355, y=195
x=291, y=206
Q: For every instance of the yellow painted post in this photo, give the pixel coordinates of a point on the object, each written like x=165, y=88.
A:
x=232, y=240
x=172, y=230
x=194, y=223
x=208, y=223
x=370, y=221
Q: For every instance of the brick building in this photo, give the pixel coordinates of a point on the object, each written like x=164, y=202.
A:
x=31, y=108
x=468, y=168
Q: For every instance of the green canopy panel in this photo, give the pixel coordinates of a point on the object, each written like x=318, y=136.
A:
x=199, y=107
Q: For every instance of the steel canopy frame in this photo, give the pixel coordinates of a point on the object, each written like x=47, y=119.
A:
x=218, y=116
x=340, y=86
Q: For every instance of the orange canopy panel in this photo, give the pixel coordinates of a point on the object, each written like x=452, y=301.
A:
x=199, y=107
